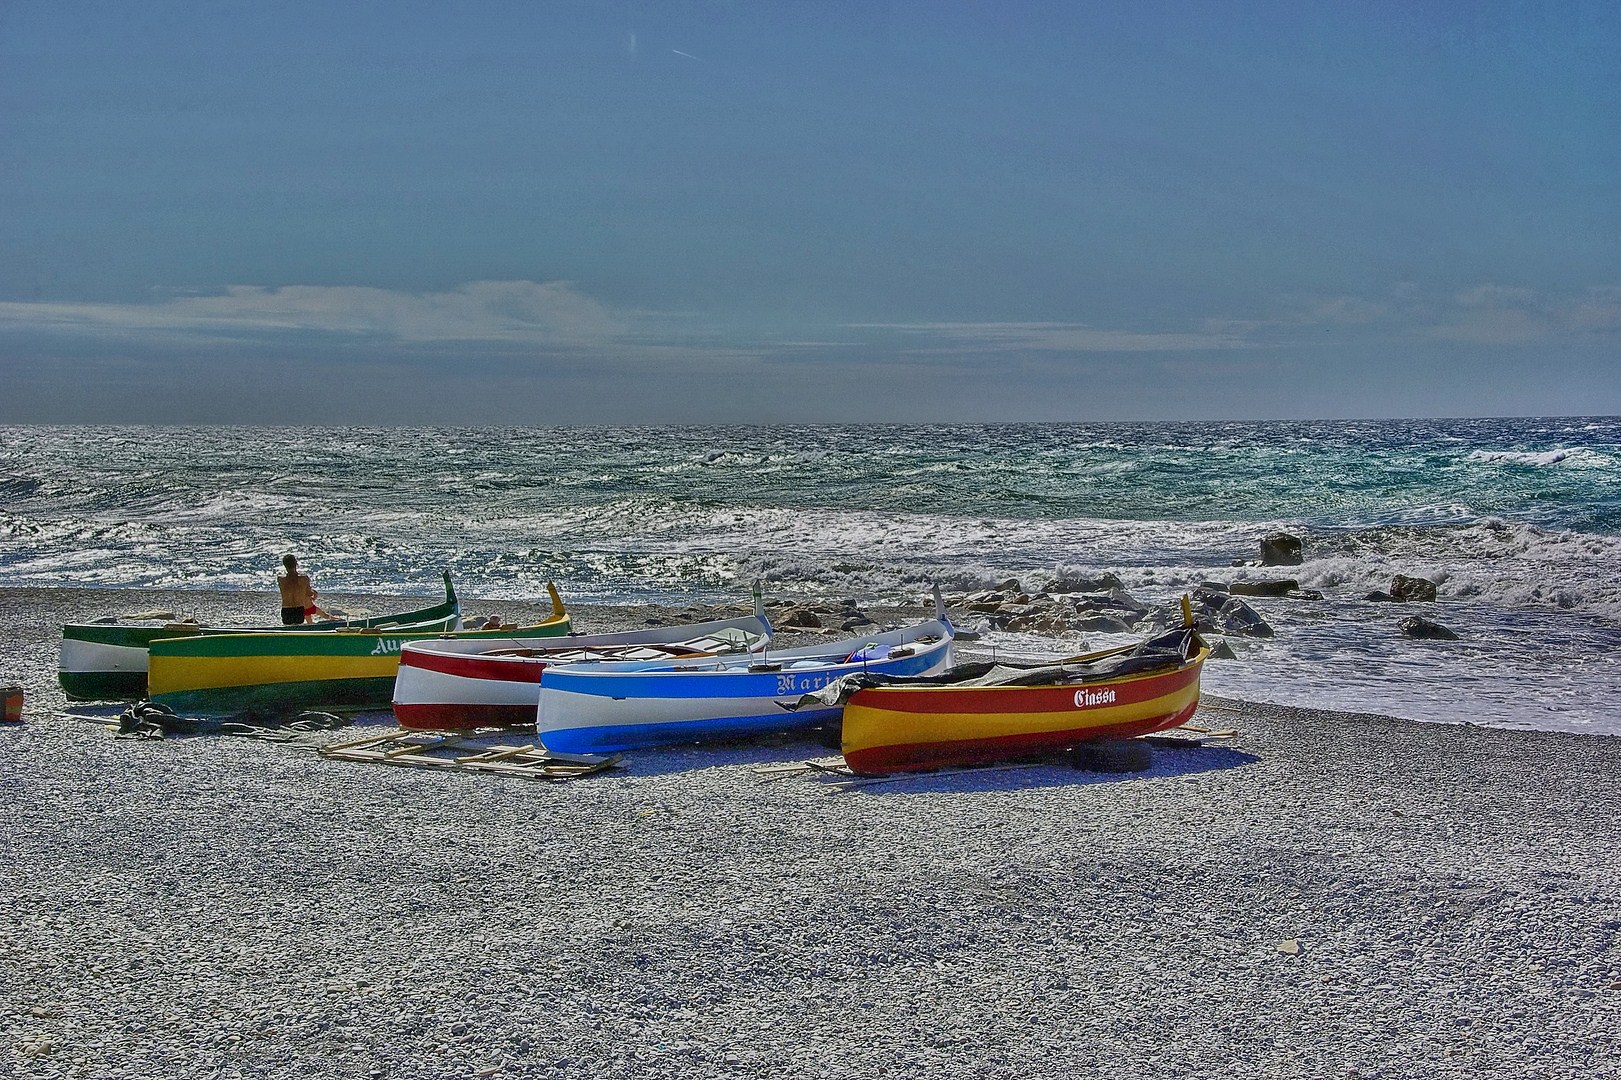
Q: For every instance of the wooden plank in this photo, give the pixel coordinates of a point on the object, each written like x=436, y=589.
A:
x=359, y=753
x=418, y=750
x=419, y=761
x=432, y=744
x=498, y=753
x=582, y=759
x=531, y=770
x=1171, y=742
x=776, y=772
x=367, y=741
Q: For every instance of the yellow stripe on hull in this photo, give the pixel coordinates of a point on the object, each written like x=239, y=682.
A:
x=172, y=675
x=883, y=727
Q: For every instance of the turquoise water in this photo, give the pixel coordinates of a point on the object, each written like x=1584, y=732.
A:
x=1519, y=521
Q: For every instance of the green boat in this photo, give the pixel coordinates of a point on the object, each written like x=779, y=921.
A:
x=352, y=668
x=107, y=661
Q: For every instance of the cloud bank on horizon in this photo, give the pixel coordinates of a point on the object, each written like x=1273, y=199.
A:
x=902, y=211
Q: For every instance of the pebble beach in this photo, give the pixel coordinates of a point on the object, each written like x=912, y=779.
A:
x=1319, y=895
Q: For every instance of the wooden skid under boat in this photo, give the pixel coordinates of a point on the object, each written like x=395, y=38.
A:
x=912, y=727
x=461, y=683
x=597, y=708
x=108, y=661
x=275, y=673
x=465, y=753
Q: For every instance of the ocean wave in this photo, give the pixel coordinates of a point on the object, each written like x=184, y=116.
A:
x=1510, y=565
x=1568, y=457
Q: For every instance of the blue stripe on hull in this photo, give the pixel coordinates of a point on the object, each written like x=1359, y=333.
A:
x=605, y=739
x=734, y=683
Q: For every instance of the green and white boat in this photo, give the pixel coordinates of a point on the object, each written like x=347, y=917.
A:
x=107, y=661
x=351, y=668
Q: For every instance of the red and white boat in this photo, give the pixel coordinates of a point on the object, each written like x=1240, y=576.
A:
x=456, y=684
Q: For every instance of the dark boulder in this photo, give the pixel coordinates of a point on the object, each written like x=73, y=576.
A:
x=1039, y=621
x=1405, y=589
x=1117, y=603
x=1280, y=549
x=1214, y=613
x=1237, y=617
x=1104, y=582
x=1278, y=587
x=1416, y=626
x=1101, y=624
x=804, y=618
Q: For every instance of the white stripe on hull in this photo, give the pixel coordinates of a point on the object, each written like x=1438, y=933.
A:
x=420, y=686
x=561, y=710
x=86, y=656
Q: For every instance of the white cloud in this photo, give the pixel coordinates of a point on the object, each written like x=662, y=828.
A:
x=556, y=316
x=1508, y=315
x=1051, y=337
x=491, y=311
x=1486, y=315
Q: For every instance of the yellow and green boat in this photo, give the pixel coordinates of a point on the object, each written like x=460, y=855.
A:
x=107, y=660
x=348, y=669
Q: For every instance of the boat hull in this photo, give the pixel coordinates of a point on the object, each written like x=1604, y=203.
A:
x=106, y=663
x=603, y=708
x=109, y=661
x=457, y=684
x=217, y=675
x=891, y=729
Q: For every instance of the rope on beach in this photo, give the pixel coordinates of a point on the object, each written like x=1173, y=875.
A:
x=284, y=731
x=150, y=720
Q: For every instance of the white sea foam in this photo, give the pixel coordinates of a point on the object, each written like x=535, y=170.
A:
x=1569, y=457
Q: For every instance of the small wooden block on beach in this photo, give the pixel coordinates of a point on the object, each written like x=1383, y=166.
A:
x=768, y=773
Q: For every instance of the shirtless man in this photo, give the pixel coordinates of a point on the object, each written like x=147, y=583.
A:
x=297, y=593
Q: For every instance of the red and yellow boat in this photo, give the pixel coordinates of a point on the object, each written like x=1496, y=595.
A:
x=983, y=713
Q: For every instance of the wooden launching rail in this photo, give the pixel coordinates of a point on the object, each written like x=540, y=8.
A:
x=463, y=752
x=834, y=775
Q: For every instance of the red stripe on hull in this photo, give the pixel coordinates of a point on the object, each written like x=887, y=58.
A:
x=993, y=700
x=463, y=717
x=473, y=666
x=919, y=757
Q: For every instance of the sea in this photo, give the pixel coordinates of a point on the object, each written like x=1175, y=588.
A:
x=1518, y=522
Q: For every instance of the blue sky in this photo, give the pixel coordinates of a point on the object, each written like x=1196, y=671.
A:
x=700, y=212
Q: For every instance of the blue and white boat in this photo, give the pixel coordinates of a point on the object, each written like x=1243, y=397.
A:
x=612, y=706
